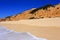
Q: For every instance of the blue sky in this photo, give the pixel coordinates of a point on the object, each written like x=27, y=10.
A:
x=13, y=7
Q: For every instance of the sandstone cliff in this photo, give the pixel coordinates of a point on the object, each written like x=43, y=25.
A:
x=47, y=11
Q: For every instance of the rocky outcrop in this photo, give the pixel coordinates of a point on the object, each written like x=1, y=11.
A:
x=47, y=11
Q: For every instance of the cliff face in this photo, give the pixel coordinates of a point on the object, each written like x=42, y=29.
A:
x=47, y=11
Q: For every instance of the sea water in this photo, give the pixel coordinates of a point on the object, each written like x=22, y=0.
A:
x=6, y=34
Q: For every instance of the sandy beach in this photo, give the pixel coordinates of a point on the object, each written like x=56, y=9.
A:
x=46, y=28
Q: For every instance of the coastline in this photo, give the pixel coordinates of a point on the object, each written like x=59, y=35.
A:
x=50, y=32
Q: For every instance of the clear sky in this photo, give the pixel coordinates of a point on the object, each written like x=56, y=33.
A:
x=12, y=7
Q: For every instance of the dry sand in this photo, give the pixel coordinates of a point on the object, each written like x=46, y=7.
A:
x=46, y=28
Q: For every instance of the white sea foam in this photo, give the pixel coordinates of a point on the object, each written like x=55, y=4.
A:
x=6, y=34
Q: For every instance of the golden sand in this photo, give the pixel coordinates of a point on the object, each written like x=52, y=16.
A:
x=50, y=32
